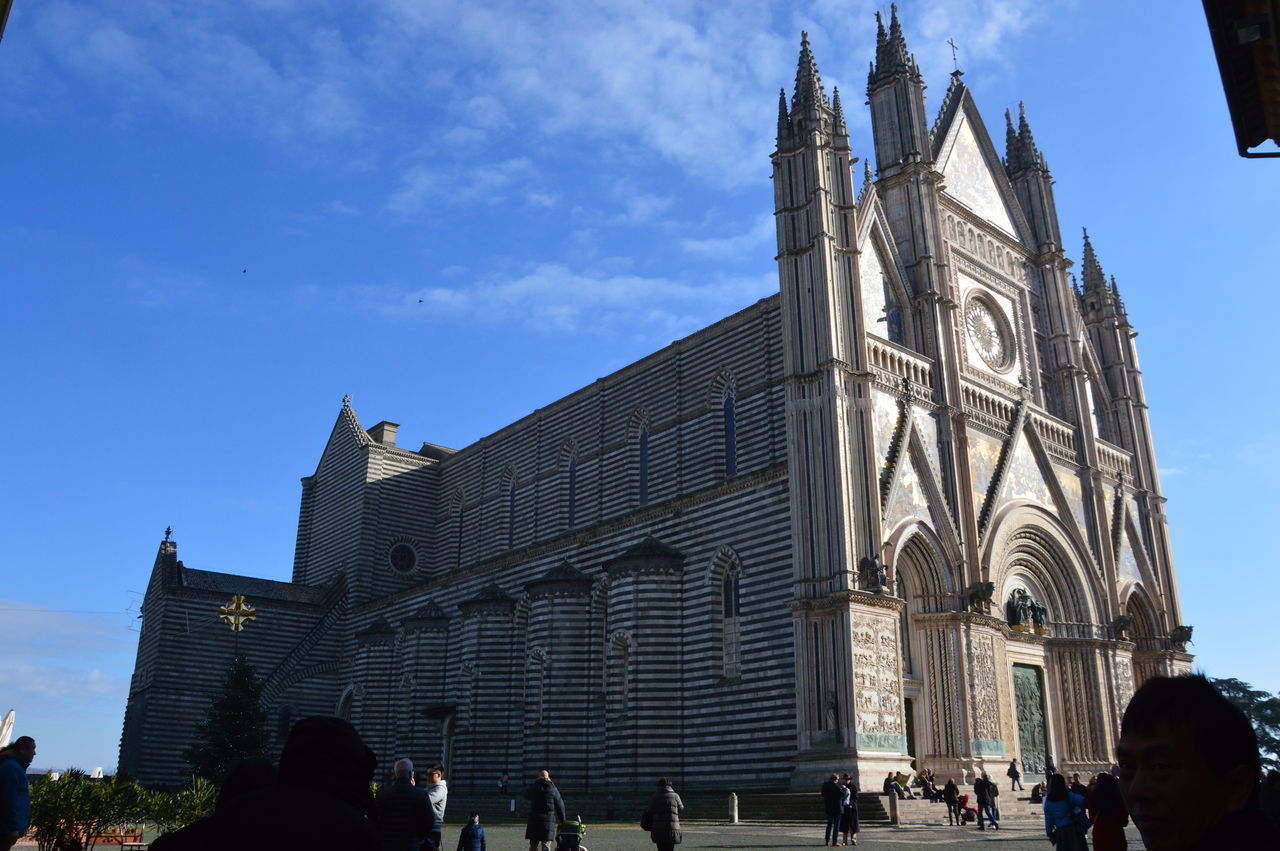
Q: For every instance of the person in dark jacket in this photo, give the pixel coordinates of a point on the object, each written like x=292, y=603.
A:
x=849, y=803
x=405, y=817
x=665, y=806
x=831, y=796
x=471, y=838
x=321, y=801
x=1014, y=775
x=546, y=810
x=951, y=797
x=982, y=789
x=210, y=832
x=15, y=796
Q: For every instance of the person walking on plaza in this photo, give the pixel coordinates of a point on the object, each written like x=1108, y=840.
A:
x=15, y=796
x=951, y=797
x=1063, y=810
x=665, y=807
x=1106, y=810
x=546, y=810
x=849, y=807
x=1015, y=776
x=985, y=801
x=405, y=816
x=471, y=837
x=831, y=796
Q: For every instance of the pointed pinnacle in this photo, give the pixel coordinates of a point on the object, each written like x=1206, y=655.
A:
x=891, y=47
x=784, y=120
x=838, y=109
x=808, y=94
x=881, y=35
x=1091, y=270
x=866, y=176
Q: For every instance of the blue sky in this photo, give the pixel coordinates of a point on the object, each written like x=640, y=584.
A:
x=219, y=218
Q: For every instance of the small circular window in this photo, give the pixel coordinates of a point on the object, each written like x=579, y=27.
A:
x=403, y=557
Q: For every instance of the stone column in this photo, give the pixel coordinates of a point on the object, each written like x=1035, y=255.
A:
x=490, y=709
x=561, y=676
x=643, y=662
x=373, y=709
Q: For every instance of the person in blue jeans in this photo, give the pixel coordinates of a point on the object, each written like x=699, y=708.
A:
x=982, y=789
x=1015, y=776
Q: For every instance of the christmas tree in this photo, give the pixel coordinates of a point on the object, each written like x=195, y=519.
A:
x=235, y=727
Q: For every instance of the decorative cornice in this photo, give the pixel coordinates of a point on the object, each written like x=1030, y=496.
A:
x=845, y=601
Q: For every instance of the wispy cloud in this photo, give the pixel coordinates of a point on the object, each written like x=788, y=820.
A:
x=760, y=234
x=553, y=298
x=1170, y=472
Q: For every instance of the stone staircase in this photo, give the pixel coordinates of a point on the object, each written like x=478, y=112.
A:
x=1014, y=811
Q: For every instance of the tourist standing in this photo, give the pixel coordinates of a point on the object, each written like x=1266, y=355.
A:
x=1062, y=809
x=15, y=795
x=405, y=816
x=831, y=796
x=1015, y=776
x=849, y=805
x=438, y=795
x=951, y=797
x=665, y=807
x=986, y=807
x=546, y=810
x=1106, y=811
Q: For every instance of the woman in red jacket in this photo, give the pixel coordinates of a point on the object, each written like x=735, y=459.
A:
x=1108, y=814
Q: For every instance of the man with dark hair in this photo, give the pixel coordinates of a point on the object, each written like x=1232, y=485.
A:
x=1189, y=769
x=438, y=795
x=15, y=797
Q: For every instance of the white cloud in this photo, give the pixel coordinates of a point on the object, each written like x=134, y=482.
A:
x=761, y=233
x=1168, y=472
x=552, y=298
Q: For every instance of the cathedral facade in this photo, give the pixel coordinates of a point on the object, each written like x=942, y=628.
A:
x=907, y=508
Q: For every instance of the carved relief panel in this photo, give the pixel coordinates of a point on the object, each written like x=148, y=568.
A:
x=986, y=696
x=877, y=684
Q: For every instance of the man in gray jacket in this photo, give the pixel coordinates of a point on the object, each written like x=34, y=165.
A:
x=438, y=794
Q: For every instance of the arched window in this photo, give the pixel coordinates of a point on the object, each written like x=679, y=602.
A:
x=892, y=310
x=644, y=465
x=511, y=512
x=731, y=626
x=730, y=437
x=458, y=509
x=572, y=495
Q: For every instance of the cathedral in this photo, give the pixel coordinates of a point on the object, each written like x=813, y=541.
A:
x=904, y=510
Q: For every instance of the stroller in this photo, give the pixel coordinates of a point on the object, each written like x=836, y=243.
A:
x=569, y=835
x=968, y=813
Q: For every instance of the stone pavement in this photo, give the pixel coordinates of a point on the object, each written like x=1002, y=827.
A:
x=748, y=836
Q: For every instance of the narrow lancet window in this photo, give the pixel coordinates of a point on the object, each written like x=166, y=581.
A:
x=644, y=465
x=730, y=438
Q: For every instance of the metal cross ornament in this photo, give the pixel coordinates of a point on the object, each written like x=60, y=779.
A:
x=237, y=613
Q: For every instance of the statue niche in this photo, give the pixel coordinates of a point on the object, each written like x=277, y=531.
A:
x=1025, y=613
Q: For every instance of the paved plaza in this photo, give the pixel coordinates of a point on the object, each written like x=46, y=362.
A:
x=707, y=835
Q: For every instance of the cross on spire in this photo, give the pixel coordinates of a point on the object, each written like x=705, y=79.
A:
x=954, y=61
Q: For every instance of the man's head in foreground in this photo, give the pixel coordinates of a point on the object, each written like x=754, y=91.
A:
x=1188, y=758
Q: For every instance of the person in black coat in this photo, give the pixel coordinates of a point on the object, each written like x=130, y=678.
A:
x=471, y=837
x=546, y=810
x=404, y=812
x=831, y=797
x=951, y=797
x=665, y=807
x=849, y=803
x=321, y=801
x=207, y=834
x=982, y=792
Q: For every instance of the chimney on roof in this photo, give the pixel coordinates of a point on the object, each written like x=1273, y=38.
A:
x=384, y=433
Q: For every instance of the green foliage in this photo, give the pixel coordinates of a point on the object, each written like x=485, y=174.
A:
x=170, y=811
x=68, y=813
x=234, y=729
x=1263, y=710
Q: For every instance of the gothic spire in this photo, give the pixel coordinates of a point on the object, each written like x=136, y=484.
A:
x=839, y=111
x=1020, y=146
x=1115, y=294
x=784, y=120
x=809, y=94
x=892, y=55
x=866, y=179
x=1091, y=271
